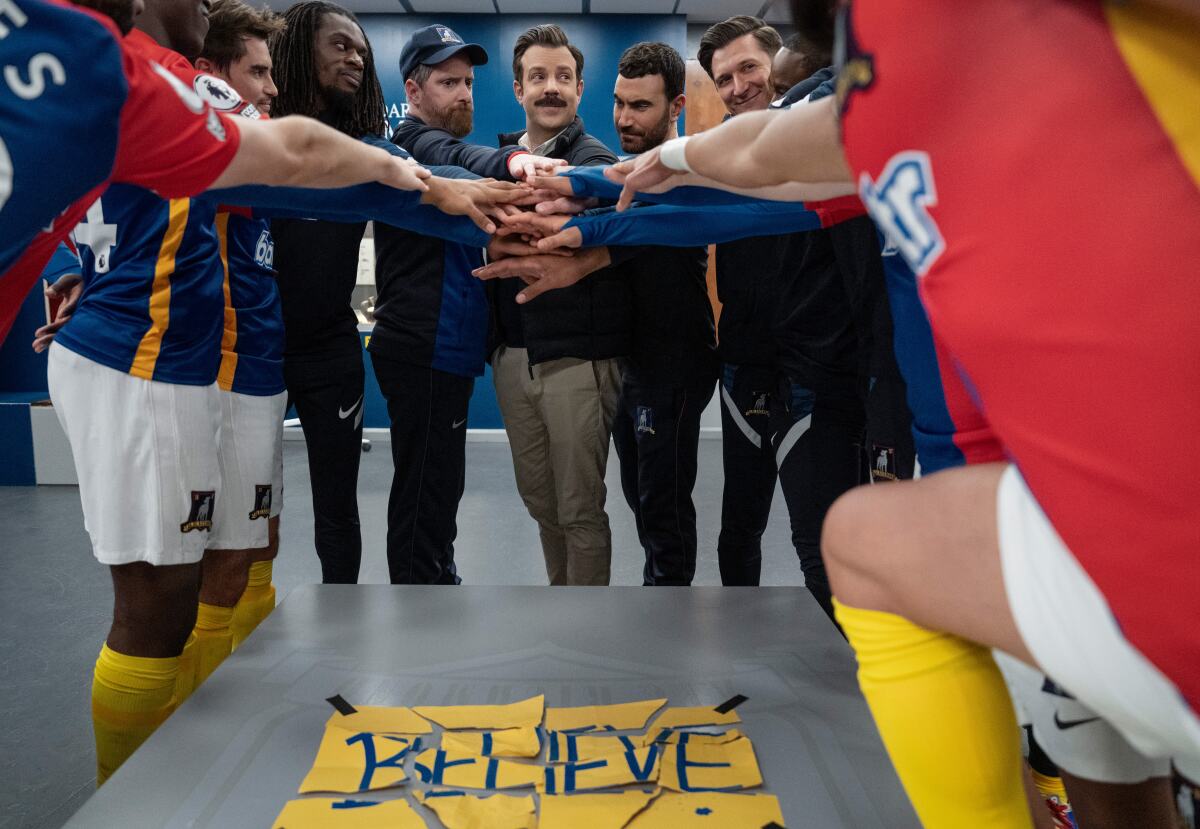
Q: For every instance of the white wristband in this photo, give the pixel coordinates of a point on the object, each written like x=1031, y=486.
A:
x=672, y=154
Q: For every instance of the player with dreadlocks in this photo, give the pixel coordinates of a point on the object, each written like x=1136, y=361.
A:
x=324, y=68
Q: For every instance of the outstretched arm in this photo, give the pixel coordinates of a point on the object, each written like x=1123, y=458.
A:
x=684, y=188
x=301, y=152
x=758, y=149
x=682, y=225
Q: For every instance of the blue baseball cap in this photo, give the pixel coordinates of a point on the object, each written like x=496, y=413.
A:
x=433, y=44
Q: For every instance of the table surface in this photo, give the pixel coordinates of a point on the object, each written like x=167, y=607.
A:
x=237, y=750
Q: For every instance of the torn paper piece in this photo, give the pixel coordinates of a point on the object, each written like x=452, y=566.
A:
x=358, y=761
x=725, y=767
x=517, y=715
x=639, y=766
x=625, y=716
x=509, y=742
x=379, y=719
x=458, y=810
x=334, y=813
x=470, y=771
x=709, y=810
x=596, y=810
x=670, y=735
x=693, y=717
x=571, y=748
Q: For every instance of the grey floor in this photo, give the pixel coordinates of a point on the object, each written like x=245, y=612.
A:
x=56, y=600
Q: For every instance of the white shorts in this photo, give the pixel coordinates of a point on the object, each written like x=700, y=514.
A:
x=251, y=460
x=1071, y=734
x=146, y=456
x=1068, y=628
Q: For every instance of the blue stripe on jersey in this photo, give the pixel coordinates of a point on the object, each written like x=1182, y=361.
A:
x=152, y=299
x=62, y=69
x=460, y=344
x=252, y=354
x=933, y=428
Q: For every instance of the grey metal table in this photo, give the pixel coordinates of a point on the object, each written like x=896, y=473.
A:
x=238, y=749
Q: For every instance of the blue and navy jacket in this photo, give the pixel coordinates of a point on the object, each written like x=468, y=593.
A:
x=429, y=309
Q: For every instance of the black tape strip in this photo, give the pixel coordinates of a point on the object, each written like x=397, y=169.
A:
x=730, y=704
x=344, y=708
x=772, y=825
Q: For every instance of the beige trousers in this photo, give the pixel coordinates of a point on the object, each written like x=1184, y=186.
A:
x=559, y=416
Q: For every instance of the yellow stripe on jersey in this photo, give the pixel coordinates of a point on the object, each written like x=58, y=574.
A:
x=229, y=357
x=1162, y=50
x=148, y=349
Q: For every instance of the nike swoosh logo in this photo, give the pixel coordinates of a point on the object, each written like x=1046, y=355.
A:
x=458, y=423
x=345, y=414
x=1063, y=725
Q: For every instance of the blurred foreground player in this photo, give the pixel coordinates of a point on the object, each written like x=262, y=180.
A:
x=80, y=71
x=1081, y=563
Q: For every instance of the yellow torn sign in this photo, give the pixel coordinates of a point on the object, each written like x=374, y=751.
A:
x=639, y=766
x=709, y=810
x=669, y=735
x=526, y=713
x=458, y=810
x=440, y=767
x=694, y=767
x=510, y=742
x=380, y=719
x=694, y=716
x=625, y=716
x=597, y=810
x=333, y=813
x=358, y=761
x=572, y=748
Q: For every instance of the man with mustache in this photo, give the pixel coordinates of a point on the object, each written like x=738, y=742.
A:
x=557, y=362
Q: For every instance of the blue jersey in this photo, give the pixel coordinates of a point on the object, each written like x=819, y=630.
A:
x=152, y=298
x=252, y=334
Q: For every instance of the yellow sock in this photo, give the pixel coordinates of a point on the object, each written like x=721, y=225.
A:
x=1054, y=793
x=186, y=683
x=944, y=713
x=131, y=696
x=214, y=641
x=256, y=603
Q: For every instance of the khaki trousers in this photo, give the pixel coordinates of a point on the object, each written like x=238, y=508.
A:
x=559, y=416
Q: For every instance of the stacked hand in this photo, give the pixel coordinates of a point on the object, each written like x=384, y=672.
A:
x=530, y=243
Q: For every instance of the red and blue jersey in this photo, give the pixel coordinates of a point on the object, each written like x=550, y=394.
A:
x=71, y=72
x=1048, y=199
x=153, y=296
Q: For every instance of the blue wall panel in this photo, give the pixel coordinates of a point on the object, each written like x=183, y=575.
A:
x=601, y=38
x=21, y=369
x=16, y=446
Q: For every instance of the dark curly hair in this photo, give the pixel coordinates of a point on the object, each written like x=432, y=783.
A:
x=643, y=59
x=295, y=72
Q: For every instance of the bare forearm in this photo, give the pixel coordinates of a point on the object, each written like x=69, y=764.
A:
x=318, y=156
x=300, y=152
x=774, y=147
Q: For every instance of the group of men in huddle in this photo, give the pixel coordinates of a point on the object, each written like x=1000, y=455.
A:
x=170, y=369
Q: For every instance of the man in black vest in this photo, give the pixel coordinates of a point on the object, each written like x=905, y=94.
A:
x=557, y=362
x=671, y=372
